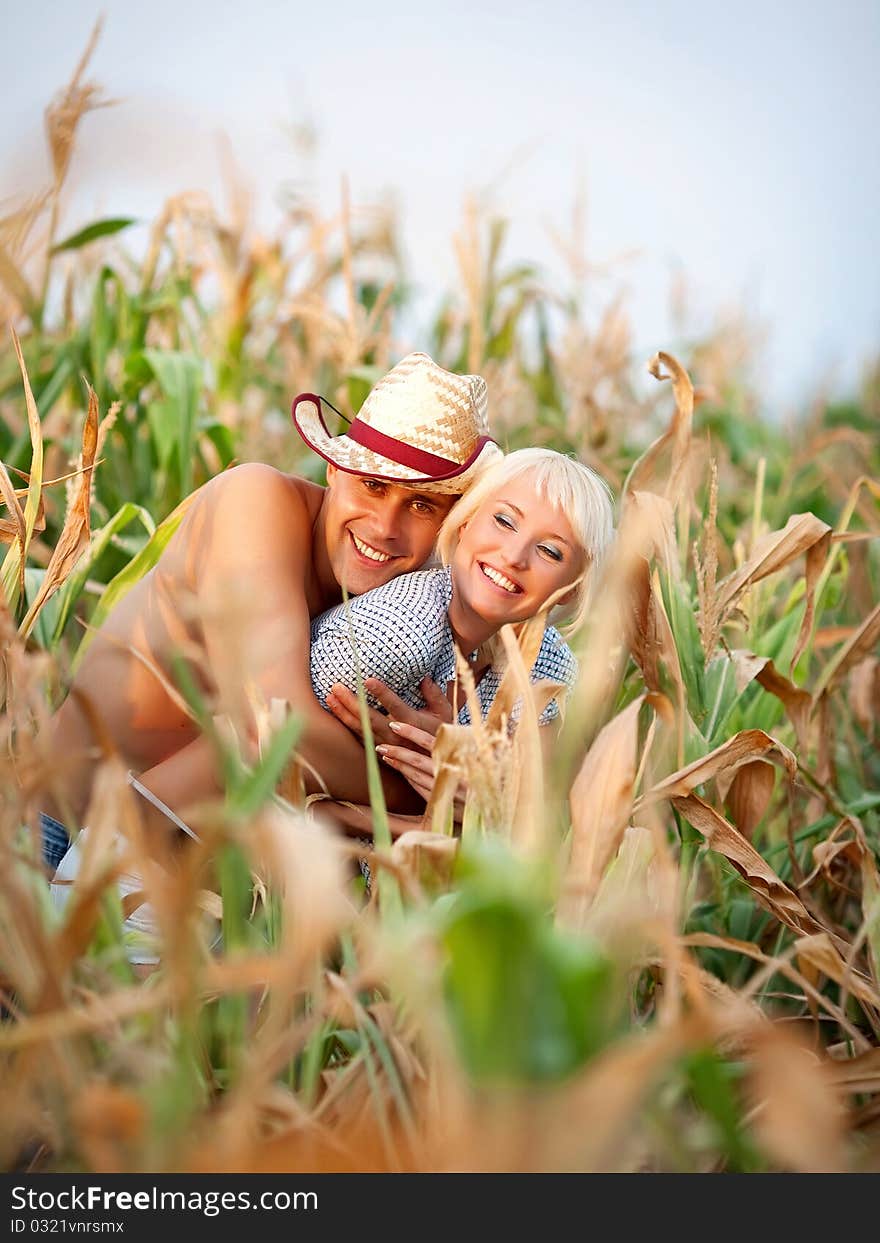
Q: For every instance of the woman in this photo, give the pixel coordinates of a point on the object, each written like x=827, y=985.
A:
x=529, y=531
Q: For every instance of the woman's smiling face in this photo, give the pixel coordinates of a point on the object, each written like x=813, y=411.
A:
x=514, y=553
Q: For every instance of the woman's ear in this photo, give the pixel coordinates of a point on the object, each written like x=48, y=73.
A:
x=570, y=596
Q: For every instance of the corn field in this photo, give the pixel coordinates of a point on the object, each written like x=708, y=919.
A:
x=675, y=969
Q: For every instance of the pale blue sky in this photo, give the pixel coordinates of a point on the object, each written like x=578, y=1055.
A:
x=736, y=142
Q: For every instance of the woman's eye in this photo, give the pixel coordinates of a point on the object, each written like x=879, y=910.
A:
x=504, y=521
x=550, y=551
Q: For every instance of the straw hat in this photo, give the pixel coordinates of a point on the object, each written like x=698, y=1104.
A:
x=419, y=425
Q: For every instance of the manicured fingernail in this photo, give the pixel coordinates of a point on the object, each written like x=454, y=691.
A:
x=381, y=749
x=395, y=725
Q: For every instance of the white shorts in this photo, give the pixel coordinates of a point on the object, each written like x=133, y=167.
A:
x=141, y=928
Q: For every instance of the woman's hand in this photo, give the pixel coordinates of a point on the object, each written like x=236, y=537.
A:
x=344, y=705
x=415, y=762
x=417, y=765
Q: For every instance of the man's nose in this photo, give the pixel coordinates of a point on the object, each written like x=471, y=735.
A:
x=387, y=518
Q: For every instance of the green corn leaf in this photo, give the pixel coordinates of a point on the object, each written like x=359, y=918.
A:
x=70, y=592
x=119, y=586
x=100, y=228
x=359, y=381
x=685, y=632
x=389, y=890
x=257, y=786
x=44, y=626
x=64, y=371
x=102, y=328
x=710, y=1081
x=164, y=424
x=173, y=422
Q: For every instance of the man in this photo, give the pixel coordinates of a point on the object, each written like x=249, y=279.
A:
x=257, y=555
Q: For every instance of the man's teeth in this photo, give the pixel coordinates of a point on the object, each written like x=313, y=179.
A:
x=497, y=577
x=367, y=551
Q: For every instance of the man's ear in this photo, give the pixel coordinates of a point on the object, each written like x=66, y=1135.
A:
x=331, y=474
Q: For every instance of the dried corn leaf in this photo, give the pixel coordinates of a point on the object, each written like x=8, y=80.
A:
x=455, y=752
x=864, y=693
x=797, y=702
x=677, y=437
x=803, y=533
x=854, y=853
x=109, y=1122
x=545, y=690
x=799, y=1118
x=601, y=805
x=526, y=757
x=653, y=640
x=705, y=557
x=830, y=636
x=746, y=667
x=614, y=621
x=853, y=651
x=306, y=862
x=12, y=571
x=421, y=856
x=652, y=519
x=871, y=906
x=774, y=551
x=74, y=537
x=743, y=748
x=13, y=528
x=749, y=795
x=528, y=641
x=14, y=281
x=780, y=963
x=857, y=1074
x=593, y=1128
x=629, y=900
x=770, y=890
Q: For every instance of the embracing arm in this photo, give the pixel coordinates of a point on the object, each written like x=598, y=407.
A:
x=250, y=560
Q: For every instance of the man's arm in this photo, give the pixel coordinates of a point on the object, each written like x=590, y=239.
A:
x=251, y=566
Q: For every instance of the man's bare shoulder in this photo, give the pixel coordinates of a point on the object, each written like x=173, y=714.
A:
x=249, y=516
x=260, y=486
x=256, y=500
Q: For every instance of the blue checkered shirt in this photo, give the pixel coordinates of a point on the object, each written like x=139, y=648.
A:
x=402, y=634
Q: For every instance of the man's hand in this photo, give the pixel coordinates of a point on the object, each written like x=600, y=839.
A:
x=343, y=703
x=356, y=820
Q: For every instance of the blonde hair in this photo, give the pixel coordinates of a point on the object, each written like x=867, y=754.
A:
x=574, y=489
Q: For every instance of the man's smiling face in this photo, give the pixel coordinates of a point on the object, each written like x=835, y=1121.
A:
x=375, y=530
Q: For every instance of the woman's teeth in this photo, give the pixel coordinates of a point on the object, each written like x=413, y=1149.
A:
x=495, y=576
